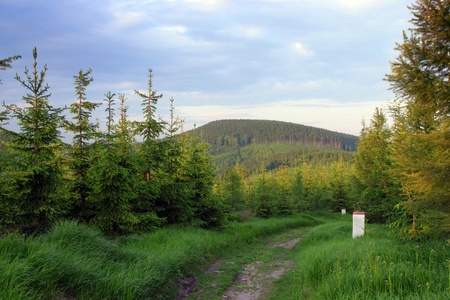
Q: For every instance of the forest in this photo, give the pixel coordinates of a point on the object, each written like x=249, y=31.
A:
x=399, y=174
x=256, y=144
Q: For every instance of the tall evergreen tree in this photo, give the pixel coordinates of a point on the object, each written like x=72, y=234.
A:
x=32, y=183
x=83, y=131
x=420, y=79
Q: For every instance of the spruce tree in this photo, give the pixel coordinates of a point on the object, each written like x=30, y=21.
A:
x=420, y=79
x=32, y=183
x=373, y=162
x=233, y=187
x=113, y=179
x=152, y=155
x=81, y=150
x=298, y=191
x=285, y=205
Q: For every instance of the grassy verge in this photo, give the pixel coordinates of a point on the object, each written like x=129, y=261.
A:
x=332, y=265
x=76, y=261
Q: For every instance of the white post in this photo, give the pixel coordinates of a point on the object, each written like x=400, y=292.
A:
x=344, y=211
x=358, y=224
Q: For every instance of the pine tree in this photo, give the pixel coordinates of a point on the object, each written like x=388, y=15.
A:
x=420, y=79
x=32, y=183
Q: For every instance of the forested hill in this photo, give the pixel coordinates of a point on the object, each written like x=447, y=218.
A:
x=239, y=133
x=257, y=143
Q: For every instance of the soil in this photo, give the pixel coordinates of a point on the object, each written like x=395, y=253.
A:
x=253, y=282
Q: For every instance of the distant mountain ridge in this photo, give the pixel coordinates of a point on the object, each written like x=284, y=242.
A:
x=234, y=133
x=260, y=143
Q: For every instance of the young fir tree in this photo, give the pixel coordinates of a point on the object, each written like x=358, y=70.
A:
x=285, y=205
x=150, y=128
x=420, y=79
x=373, y=163
x=151, y=153
x=114, y=184
x=174, y=199
x=298, y=191
x=81, y=149
x=339, y=187
x=265, y=196
x=209, y=211
x=233, y=187
x=32, y=183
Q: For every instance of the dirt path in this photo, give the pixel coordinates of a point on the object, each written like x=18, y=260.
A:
x=247, y=275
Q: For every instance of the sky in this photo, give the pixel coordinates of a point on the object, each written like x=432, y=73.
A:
x=319, y=63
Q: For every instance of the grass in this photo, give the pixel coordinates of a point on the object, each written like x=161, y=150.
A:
x=332, y=265
x=77, y=261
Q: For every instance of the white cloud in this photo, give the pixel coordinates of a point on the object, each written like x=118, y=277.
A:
x=300, y=48
x=357, y=3
x=207, y=5
x=251, y=32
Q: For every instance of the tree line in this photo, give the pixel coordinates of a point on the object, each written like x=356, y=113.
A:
x=239, y=133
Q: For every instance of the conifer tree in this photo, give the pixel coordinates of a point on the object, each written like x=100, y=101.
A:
x=151, y=152
x=83, y=131
x=233, y=187
x=150, y=128
x=32, y=183
x=420, y=79
x=373, y=162
x=113, y=179
x=298, y=191
x=264, y=196
x=285, y=205
x=339, y=187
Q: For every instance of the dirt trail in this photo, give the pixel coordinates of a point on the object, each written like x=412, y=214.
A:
x=254, y=279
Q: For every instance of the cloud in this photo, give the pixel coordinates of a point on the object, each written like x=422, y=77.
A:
x=206, y=5
x=250, y=32
x=300, y=48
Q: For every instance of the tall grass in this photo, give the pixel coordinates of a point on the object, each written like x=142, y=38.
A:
x=77, y=261
x=332, y=265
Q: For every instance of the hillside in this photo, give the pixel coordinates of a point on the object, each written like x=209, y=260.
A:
x=258, y=143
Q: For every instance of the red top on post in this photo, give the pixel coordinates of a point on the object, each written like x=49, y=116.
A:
x=359, y=213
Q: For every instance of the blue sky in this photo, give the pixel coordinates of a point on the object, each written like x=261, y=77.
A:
x=314, y=62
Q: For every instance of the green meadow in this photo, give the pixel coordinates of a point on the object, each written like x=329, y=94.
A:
x=74, y=261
